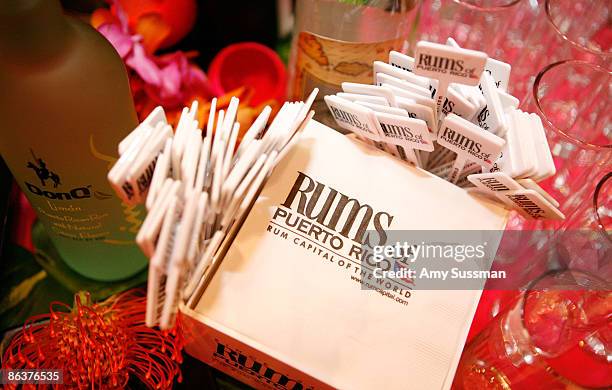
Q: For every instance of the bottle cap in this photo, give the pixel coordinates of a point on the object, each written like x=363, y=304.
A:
x=249, y=63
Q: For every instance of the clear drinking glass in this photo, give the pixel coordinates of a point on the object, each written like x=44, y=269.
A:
x=500, y=28
x=474, y=24
x=559, y=30
x=585, y=26
x=557, y=311
x=573, y=100
x=584, y=240
x=527, y=34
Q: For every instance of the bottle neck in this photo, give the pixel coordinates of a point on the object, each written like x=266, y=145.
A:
x=32, y=30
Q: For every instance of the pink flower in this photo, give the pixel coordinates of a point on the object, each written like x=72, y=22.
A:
x=170, y=80
x=120, y=40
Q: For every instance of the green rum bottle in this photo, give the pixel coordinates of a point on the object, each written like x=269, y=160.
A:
x=65, y=104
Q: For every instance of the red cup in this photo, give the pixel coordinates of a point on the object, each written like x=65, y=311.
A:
x=249, y=64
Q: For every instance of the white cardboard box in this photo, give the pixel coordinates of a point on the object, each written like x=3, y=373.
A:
x=280, y=314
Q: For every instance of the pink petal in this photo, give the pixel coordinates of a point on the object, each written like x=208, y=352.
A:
x=121, y=41
x=194, y=80
x=121, y=15
x=171, y=80
x=144, y=66
x=198, y=84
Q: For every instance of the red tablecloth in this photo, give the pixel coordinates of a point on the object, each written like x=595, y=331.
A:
x=575, y=364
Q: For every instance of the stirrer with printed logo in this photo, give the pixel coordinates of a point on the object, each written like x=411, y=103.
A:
x=470, y=143
x=448, y=65
x=525, y=157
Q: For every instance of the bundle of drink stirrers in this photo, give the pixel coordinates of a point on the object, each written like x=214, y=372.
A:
x=447, y=110
x=196, y=185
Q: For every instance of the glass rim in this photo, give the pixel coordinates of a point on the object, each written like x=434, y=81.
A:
x=532, y=287
x=600, y=224
x=544, y=117
x=467, y=4
x=547, y=8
